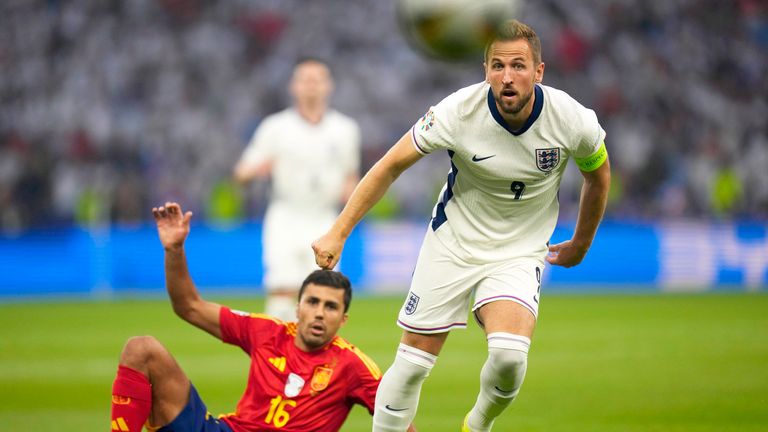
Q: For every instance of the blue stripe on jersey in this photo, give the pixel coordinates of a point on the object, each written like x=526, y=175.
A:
x=440, y=216
x=538, y=104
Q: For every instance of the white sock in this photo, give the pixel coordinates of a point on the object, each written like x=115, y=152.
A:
x=281, y=307
x=500, y=379
x=398, y=394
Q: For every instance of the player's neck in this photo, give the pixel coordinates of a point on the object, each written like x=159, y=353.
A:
x=312, y=112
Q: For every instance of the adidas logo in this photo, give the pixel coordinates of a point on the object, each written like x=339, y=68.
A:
x=119, y=425
x=278, y=362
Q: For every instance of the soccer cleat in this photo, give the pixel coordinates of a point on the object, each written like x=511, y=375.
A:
x=465, y=424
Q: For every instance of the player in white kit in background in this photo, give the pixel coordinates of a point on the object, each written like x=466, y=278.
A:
x=509, y=139
x=312, y=154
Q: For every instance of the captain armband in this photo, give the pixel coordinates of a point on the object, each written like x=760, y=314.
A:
x=591, y=163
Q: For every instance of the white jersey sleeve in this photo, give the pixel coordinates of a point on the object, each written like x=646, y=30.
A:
x=262, y=147
x=588, y=135
x=434, y=130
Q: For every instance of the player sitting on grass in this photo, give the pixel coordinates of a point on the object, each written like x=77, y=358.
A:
x=303, y=377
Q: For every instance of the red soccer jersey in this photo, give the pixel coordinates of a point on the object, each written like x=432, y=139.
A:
x=291, y=390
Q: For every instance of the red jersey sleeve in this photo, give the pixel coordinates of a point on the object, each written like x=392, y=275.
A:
x=243, y=328
x=364, y=383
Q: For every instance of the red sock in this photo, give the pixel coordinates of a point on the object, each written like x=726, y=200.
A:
x=131, y=400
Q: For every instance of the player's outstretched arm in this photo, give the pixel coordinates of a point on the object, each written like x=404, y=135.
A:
x=173, y=228
x=245, y=172
x=594, y=196
x=367, y=193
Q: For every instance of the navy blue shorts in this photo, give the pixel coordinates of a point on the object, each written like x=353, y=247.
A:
x=195, y=417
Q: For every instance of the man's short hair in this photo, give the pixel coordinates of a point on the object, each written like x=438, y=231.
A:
x=331, y=279
x=513, y=30
x=312, y=59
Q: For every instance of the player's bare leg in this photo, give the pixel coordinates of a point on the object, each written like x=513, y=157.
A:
x=281, y=303
x=509, y=328
x=398, y=395
x=145, y=356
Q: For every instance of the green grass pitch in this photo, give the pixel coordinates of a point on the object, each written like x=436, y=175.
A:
x=687, y=363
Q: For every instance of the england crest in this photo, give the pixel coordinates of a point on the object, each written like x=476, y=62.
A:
x=547, y=159
x=413, y=302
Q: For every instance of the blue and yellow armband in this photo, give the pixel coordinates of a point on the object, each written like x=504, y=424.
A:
x=591, y=163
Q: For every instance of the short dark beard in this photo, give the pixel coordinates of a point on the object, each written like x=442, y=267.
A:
x=312, y=345
x=516, y=108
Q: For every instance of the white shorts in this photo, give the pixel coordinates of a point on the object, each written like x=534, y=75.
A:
x=443, y=287
x=287, y=242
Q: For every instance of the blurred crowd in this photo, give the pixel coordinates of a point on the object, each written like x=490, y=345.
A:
x=110, y=107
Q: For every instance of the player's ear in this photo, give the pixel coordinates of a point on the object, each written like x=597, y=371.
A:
x=540, y=72
x=344, y=320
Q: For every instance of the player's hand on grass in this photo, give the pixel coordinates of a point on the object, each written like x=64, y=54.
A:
x=566, y=254
x=327, y=251
x=172, y=225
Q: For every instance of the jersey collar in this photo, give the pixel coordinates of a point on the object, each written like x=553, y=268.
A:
x=538, y=104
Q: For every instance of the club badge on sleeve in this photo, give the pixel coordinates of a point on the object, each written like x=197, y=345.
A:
x=427, y=121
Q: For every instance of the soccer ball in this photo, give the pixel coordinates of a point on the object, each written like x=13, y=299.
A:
x=453, y=30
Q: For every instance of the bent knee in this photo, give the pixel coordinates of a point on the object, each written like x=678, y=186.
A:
x=508, y=351
x=508, y=359
x=139, y=351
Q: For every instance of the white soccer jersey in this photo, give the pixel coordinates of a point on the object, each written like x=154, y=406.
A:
x=310, y=165
x=500, y=200
x=310, y=161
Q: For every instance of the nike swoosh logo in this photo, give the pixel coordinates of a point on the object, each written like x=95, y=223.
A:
x=394, y=409
x=478, y=159
x=503, y=391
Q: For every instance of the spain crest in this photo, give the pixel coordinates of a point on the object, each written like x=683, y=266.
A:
x=547, y=159
x=320, y=378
